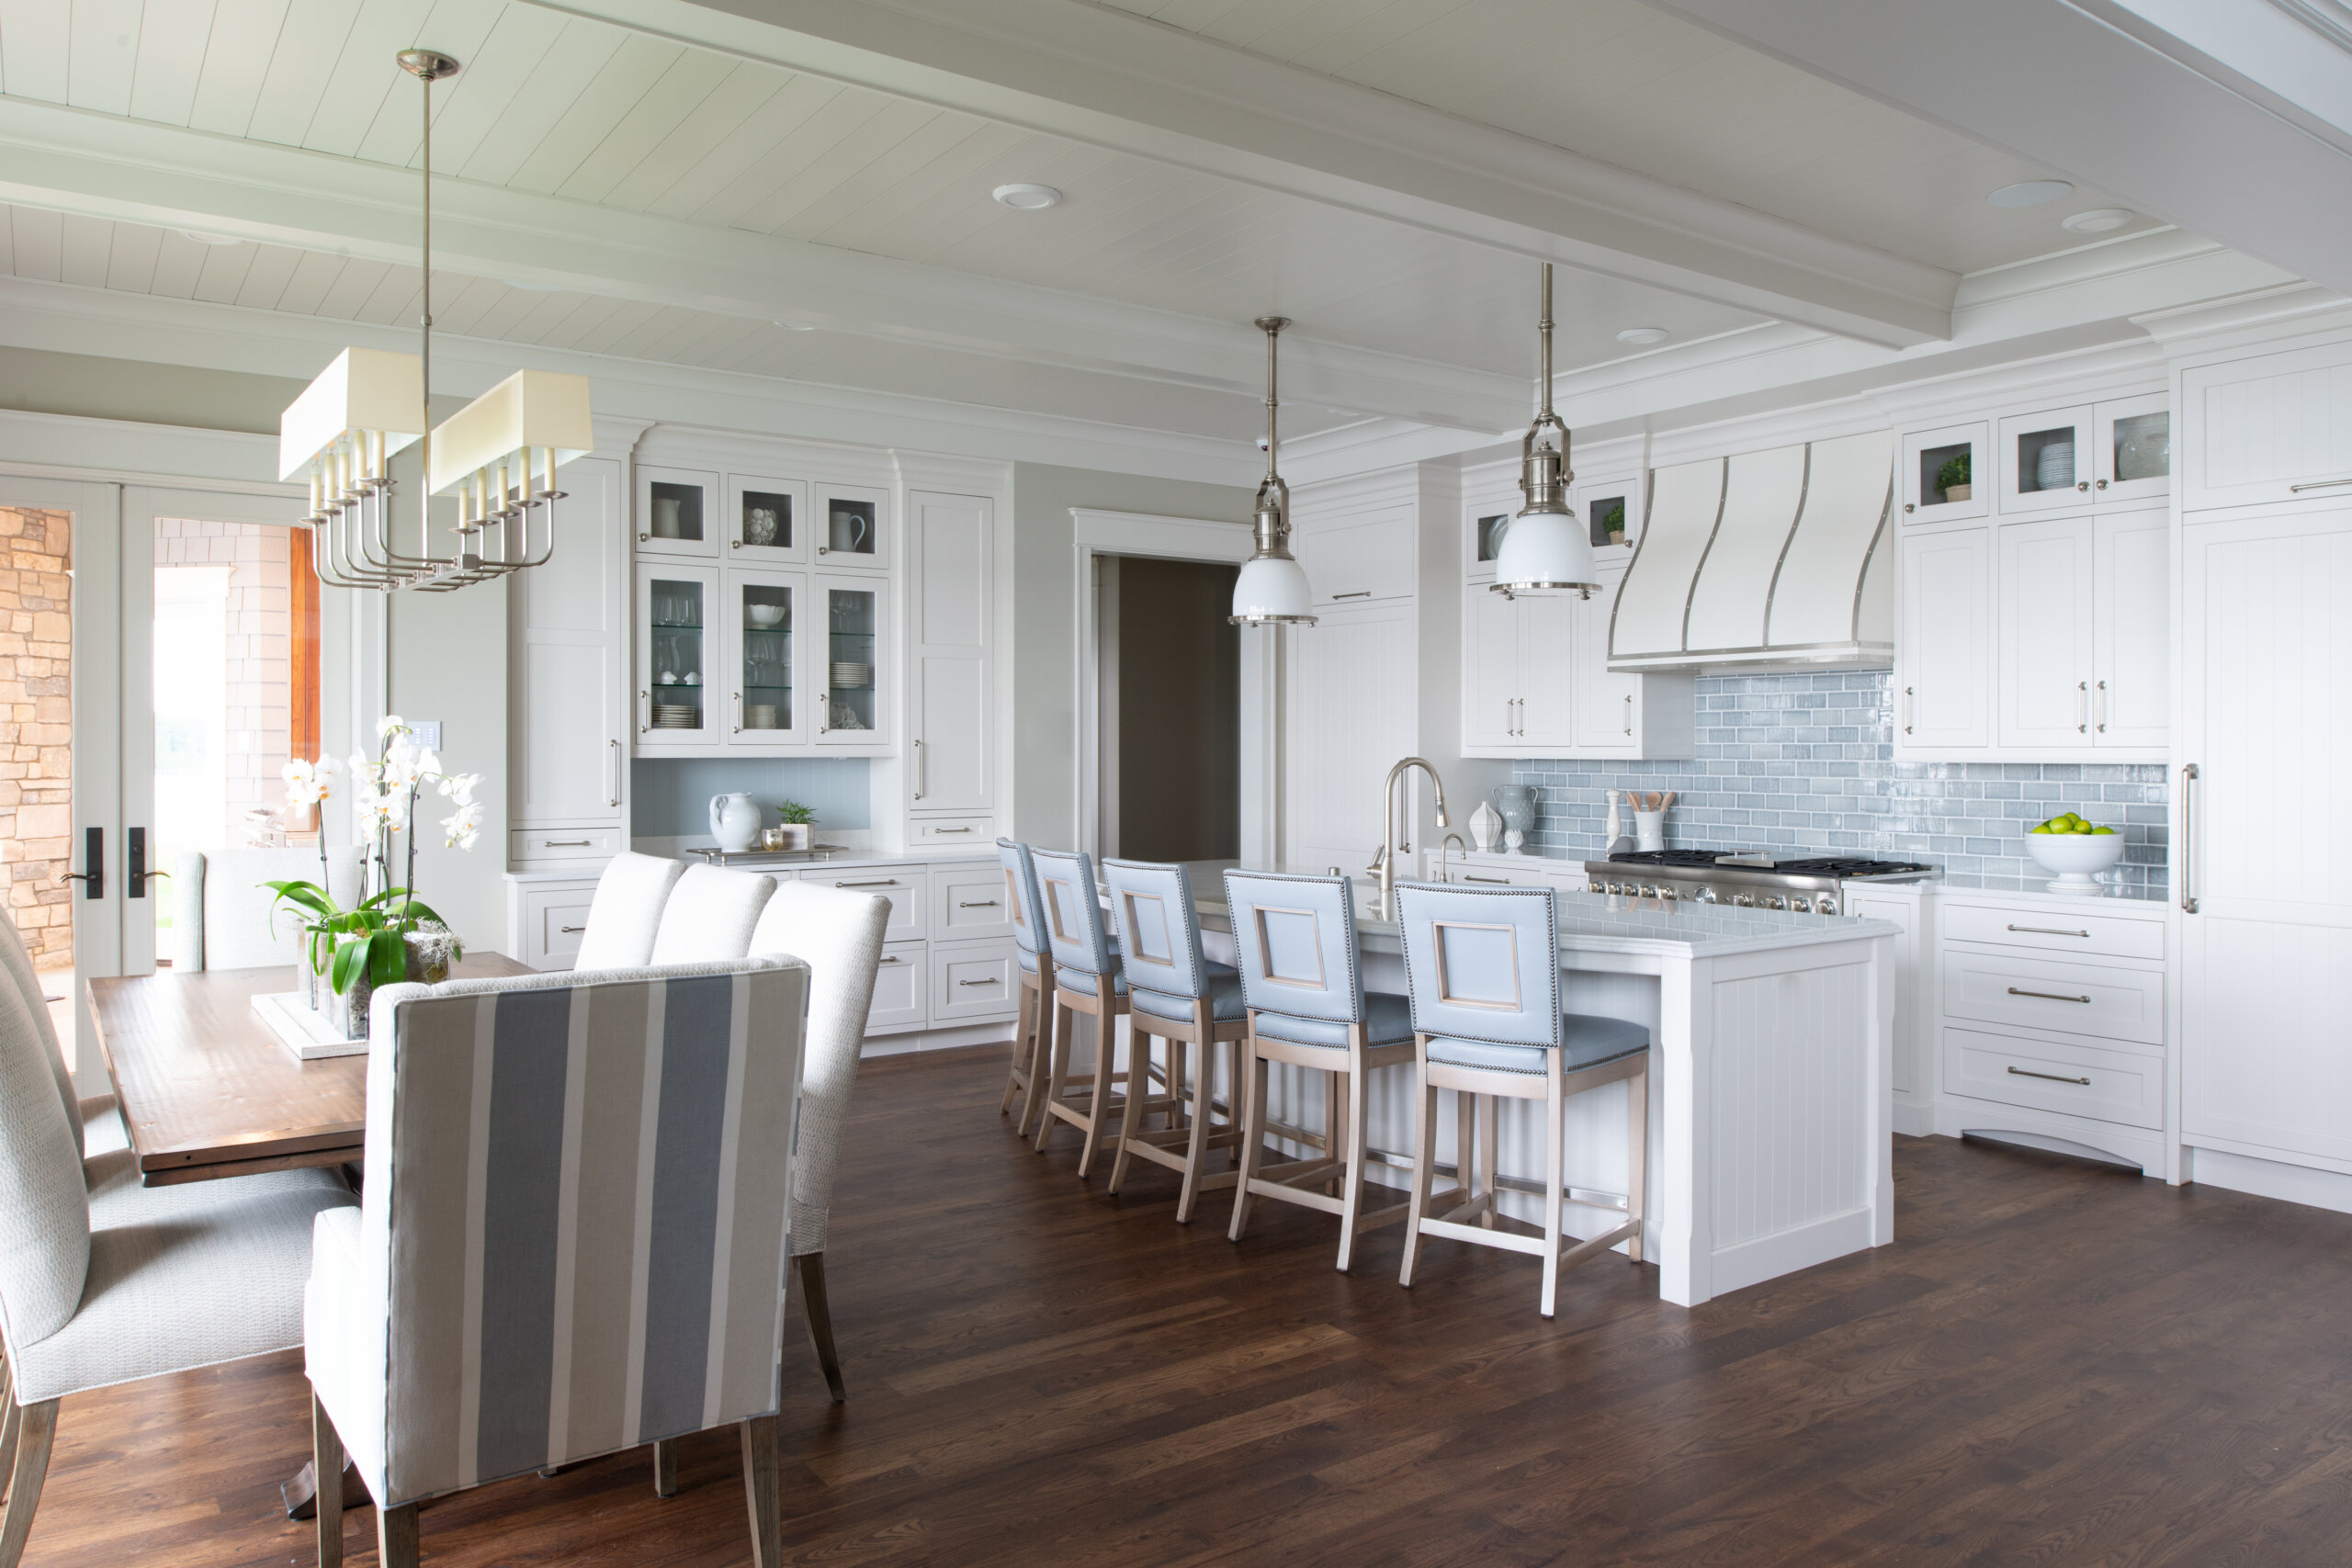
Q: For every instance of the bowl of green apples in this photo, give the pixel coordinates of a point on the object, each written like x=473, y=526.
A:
x=2074, y=851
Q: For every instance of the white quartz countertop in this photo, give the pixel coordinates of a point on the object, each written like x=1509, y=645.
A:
x=589, y=871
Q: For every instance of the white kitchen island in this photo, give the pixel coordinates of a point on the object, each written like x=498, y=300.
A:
x=1771, y=1073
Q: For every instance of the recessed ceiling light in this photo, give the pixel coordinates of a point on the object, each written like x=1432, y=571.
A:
x=2098, y=220
x=1028, y=199
x=2029, y=193
x=1642, y=335
x=202, y=238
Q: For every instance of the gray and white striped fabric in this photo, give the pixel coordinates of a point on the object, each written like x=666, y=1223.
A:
x=572, y=1234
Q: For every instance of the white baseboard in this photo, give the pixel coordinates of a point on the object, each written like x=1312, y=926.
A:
x=2270, y=1178
x=1915, y=1118
x=937, y=1039
x=1768, y=1257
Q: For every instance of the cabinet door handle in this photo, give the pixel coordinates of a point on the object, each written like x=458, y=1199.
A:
x=918, y=768
x=2189, y=776
x=1491, y=881
x=2102, y=484
x=890, y=961
x=566, y=843
x=572, y=930
x=739, y=713
x=614, y=756
x=2049, y=996
x=2053, y=1078
x=645, y=719
x=1629, y=713
x=937, y=832
x=2105, y=703
x=2317, y=484
x=2051, y=931
x=1359, y=593
x=978, y=904
x=1908, y=507
x=2083, y=706
x=1910, y=708
x=734, y=544
x=980, y=982
x=886, y=882
x=2083, y=485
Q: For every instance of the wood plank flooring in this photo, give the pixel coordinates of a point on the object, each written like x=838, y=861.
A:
x=2054, y=1365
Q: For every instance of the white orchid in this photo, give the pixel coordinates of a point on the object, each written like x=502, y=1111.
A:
x=307, y=783
x=428, y=763
x=391, y=723
x=463, y=825
x=461, y=787
x=362, y=771
x=403, y=764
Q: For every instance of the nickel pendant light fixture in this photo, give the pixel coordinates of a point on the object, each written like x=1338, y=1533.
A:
x=1545, y=548
x=497, y=455
x=1272, y=587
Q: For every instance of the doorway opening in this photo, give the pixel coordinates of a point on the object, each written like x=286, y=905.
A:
x=37, y=776
x=1170, y=718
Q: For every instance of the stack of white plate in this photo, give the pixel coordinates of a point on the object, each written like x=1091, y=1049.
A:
x=677, y=716
x=848, y=673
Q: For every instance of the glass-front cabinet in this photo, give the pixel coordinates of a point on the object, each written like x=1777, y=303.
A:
x=764, y=667
x=1612, y=510
x=1939, y=474
x=2092, y=455
x=849, y=709
x=679, y=676
x=768, y=520
x=677, y=513
x=849, y=527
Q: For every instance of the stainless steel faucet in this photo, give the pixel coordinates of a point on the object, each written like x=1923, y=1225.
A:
x=1445, y=856
x=1384, y=864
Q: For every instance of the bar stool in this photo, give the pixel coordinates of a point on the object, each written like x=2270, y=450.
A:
x=1302, y=990
x=1484, y=968
x=1176, y=995
x=1029, y=1022
x=1088, y=979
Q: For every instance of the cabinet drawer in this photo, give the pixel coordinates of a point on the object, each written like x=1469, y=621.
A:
x=524, y=844
x=972, y=981
x=2078, y=1081
x=952, y=832
x=969, y=903
x=2073, y=999
x=553, y=919
x=2048, y=930
x=901, y=987
x=907, y=890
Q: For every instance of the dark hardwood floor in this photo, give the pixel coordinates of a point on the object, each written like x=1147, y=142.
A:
x=2053, y=1364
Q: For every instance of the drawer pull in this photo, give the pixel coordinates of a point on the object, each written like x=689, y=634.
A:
x=980, y=982
x=2049, y=996
x=935, y=832
x=2317, y=484
x=1359, y=593
x=2053, y=1078
x=976, y=904
x=565, y=843
x=1489, y=881
x=572, y=930
x=2050, y=931
x=886, y=882
x=890, y=961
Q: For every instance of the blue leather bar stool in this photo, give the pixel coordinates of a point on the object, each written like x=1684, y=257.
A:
x=1484, y=967
x=1302, y=990
x=1029, y=1021
x=1088, y=979
x=1177, y=995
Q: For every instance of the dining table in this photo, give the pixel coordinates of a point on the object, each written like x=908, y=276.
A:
x=209, y=1092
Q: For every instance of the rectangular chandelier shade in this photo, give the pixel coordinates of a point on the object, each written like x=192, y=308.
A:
x=366, y=392
x=534, y=417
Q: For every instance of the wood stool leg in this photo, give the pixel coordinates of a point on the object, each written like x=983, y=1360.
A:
x=326, y=1454
x=1555, y=1108
x=1489, y=1156
x=665, y=1467
x=1353, y=1098
x=36, y=1429
x=1196, y=1147
x=1058, y=1052
x=1464, y=1146
x=1424, y=1158
x=764, y=1489
x=1139, y=1092
x=1040, y=1057
x=1106, y=1048
x=1022, y=1056
x=810, y=1267
x=1637, y=1135
x=1252, y=1088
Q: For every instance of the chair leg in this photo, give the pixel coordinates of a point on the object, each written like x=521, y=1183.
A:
x=1554, y=1108
x=810, y=1266
x=1138, y=1090
x=665, y=1467
x=12, y=1422
x=1250, y=1088
x=1490, y=1144
x=1041, y=1030
x=1196, y=1147
x=1637, y=1134
x=37, y=1427
x=1022, y=1052
x=1058, y=1054
x=1424, y=1156
x=326, y=1456
x=1107, y=1053
x=1351, y=1106
x=398, y=1537
x=763, y=1490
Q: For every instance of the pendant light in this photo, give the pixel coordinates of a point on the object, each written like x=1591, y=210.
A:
x=1272, y=589
x=1545, y=548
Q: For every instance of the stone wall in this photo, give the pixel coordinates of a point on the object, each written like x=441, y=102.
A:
x=37, y=729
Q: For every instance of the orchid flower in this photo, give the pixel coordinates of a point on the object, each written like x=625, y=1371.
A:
x=461, y=787
x=307, y=783
x=463, y=825
x=391, y=723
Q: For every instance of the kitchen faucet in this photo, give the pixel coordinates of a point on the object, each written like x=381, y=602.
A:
x=1384, y=864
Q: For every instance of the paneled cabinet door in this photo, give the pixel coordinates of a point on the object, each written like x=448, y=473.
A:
x=2045, y=633
x=1490, y=667
x=848, y=643
x=950, y=607
x=1608, y=705
x=568, y=698
x=1359, y=559
x=678, y=512
x=2046, y=462
x=2272, y=427
x=849, y=527
x=767, y=521
x=680, y=681
x=2132, y=630
x=1929, y=457
x=765, y=674
x=1548, y=676
x=2132, y=450
x=1943, y=647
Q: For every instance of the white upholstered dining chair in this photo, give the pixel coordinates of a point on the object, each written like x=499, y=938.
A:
x=710, y=915
x=571, y=1239
x=222, y=913
x=626, y=913
x=839, y=935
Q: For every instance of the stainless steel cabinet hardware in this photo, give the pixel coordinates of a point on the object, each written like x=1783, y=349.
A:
x=886, y=882
x=1910, y=706
x=1359, y=593
x=572, y=930
x=1908, y=507
x=2083, y=706
x=1491, y=881
x=2102, y=484
x=647, y=727
x=892, y=961
x=918, y=768
x=980, y=982
x=616, y=757
x=2187, y=838
x=2083, y=484
x=937, y=832
x=2050, y=931
x=1629, y=713
x=643, y=537
x=2102, y=695
x=975, y=903
x=566, y=843
x=2053, y=1078
x=2317, y=484
x=739, y=713
x=2049, y=996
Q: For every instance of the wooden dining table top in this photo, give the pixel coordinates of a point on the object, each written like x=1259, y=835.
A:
x=209, y=1092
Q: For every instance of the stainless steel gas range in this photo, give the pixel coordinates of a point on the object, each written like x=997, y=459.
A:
x=1809, y=884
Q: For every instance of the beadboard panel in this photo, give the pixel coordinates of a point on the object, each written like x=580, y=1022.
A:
x=1790, y=1053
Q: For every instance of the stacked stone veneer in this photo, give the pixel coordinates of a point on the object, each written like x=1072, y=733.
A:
x=257, y=656
x=37, y=729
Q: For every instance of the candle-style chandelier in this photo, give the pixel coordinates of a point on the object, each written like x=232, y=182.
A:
x=497, y=455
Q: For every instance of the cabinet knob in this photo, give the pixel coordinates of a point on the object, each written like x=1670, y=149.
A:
x=734, y=544
x=641, y=538
x=2083, y=484
x=824, y=549
x=2102, y=484
x=1908, y=507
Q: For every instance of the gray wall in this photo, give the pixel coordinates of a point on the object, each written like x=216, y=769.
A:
x=448, y=662
x=93, y=388
x=670, y=797
x=1044, y=621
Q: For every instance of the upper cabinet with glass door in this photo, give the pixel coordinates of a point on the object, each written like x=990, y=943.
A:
x=764, y=636
x=767, y=521
x=850, y=641
x=678, y=512
x=2090, y=455
x=1944, y=475
x=1612, y=510
x=849, y=527
x=681, y=679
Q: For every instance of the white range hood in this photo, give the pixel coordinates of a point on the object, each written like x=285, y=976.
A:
x=1770, y=560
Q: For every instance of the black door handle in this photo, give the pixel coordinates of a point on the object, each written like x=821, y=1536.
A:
x=135, y=873
x=93, y=878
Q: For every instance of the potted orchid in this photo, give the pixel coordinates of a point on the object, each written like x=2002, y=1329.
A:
x=388, y=934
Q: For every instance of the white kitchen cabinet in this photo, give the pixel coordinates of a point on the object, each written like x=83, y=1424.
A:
x=2043, y=596
x=2090, y=455
x=1358, y=556
x=1548, y=676
x=546, y=918
x=2132, y=631
x=1347, y=700
x=1482, y=527
x=972, y=981
x=767, y=521
x=567, y=708
x=901, y=989
x=1612, y=715
x=1926, y=455
x=907, y=889
x=850, y=527
x=2262, y=858
x=951, y=729
x=2132, y=450
x=1490, y=666
x=679, y=513
x=2268, y=427
x=852, y=642
x=1943, y=642
x=1908, y=907
x=1536, y=682
x=1603, y=498
x=761, y=662
x=679, y=697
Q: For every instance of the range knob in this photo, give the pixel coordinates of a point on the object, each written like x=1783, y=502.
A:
x=1668, y=891
x=1826, y=904
x=1704, y=896
x=1743, y=900
x=1798, y=903
x=1596, y=885
x=1646, y=890
x=1774, y=901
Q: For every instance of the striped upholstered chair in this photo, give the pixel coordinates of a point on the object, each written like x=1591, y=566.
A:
x=571, y=1239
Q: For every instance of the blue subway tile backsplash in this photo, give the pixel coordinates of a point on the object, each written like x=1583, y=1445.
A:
x=1808, y=762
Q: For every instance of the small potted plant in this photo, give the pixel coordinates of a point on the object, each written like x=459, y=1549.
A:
x=1951, y=479
x=1613, y=522
x=796, y=819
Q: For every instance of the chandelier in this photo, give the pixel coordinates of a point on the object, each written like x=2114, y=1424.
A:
x=1544, y=549
x=1270, y=589
x=497, y=455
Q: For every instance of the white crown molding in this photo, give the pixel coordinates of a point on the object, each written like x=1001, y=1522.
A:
x=1149, y=533
x=2261, y=316
x=1114, y=80
x=953, y=476
x=108, y=451
x=105, y=166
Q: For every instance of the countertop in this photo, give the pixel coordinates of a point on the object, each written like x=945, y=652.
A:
x=590, y=870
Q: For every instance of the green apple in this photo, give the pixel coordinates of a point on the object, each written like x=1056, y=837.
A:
x=2044, y=828
x=2107, y=830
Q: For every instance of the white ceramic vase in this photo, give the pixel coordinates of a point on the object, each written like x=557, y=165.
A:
x=1485, y=827
x=734, y=822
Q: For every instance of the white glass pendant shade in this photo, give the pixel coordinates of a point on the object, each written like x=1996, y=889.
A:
x=1272, y=591
x=1544, y=550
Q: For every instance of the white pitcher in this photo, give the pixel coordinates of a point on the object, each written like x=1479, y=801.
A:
x=734, y=822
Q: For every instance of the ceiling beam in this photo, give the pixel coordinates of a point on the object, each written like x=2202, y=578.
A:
x=2078, y=89
x=106, y=167
x=1114, y=80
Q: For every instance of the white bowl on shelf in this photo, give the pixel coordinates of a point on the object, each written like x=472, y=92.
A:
x=764, y=615
x=2075, y=859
